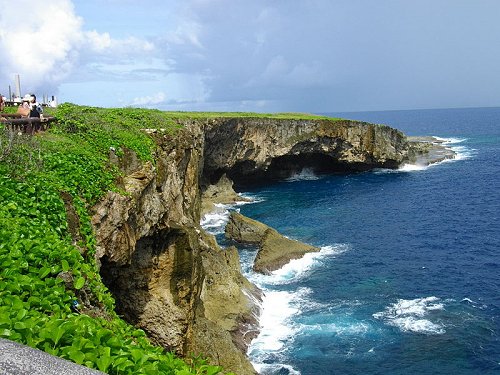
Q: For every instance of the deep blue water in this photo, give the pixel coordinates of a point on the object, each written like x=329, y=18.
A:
x=408, y=279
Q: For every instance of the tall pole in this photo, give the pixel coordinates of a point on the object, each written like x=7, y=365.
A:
x=18, y=85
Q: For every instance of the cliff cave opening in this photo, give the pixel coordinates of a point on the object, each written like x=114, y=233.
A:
x=246, y=173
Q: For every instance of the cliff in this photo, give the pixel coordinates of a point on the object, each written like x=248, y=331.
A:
x=248, y=150
x=167, y=275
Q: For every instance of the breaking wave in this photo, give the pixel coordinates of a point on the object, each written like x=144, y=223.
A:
x=462, y=152
x=413, y=315
x=305, y=174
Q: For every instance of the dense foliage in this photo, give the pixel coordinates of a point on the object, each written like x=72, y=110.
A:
x=51, y=295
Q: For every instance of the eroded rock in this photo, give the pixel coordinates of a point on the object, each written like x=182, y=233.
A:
x=428, y=150
x=220, y=192
x=244, y=230
x=275, y=250
x=168, y=276
x=258, y=149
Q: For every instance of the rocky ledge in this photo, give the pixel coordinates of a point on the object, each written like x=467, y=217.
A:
x=252, y=150
x=429, y=150
x=221, y=192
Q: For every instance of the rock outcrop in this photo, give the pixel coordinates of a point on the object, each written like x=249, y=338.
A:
x=275, y=250
x=168, y=276
x=428, y=150
x=250, y=150
x=244, y=230
x=221, y=192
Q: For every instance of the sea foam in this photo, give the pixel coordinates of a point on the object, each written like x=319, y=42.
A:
x=276, y=368
x=304, y=175
x=215, y=221
x=298, y=268
x=339, y=327
x=276, y=328
x=412, y=315
x=279, y=307
x=461, y=153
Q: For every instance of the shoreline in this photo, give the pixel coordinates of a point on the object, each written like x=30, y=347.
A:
x=429, y=150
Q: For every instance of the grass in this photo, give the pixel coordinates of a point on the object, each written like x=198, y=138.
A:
x=284, y=115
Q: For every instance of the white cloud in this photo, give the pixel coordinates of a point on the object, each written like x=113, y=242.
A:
x=98, y=42
x=103, y=43
x=47, y=44
x=152, y=100
x=41, y=48
x=187, y=33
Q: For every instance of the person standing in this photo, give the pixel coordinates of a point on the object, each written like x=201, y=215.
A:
x=24, y=108
x=35, y=108
x=2, y=106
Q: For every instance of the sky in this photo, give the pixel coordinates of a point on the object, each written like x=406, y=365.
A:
x=255, y=55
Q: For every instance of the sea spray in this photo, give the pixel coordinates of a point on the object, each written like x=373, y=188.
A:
x=413, y=315
x=306, y=174
x=461, y=152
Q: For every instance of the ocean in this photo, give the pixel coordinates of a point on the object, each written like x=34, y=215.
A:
x=408, y=277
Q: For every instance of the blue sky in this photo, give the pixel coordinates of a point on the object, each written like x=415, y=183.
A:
x=256, y=55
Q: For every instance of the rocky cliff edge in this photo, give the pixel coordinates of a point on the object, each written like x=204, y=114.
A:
x=168, y=276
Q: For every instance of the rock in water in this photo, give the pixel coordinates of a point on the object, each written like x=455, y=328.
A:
x=245, y=230
x=275, y=250
x=429, y=150
x=221, y=192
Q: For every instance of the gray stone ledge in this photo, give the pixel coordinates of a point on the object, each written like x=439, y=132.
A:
x=17, y=359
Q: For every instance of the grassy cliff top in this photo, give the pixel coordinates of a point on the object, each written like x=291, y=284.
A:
x=156, y=117
x=283, y=115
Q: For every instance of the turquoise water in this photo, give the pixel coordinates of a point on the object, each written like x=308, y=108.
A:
x=408, y=278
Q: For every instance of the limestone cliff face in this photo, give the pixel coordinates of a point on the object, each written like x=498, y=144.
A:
x=248, y=149
x=168, y=276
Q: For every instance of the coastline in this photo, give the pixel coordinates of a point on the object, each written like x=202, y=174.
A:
x=429, y=151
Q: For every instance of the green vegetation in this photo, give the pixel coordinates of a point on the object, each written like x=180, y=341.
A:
x=51, y=296
x=204, y=115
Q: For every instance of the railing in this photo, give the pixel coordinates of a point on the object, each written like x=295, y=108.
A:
x=28, y=125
